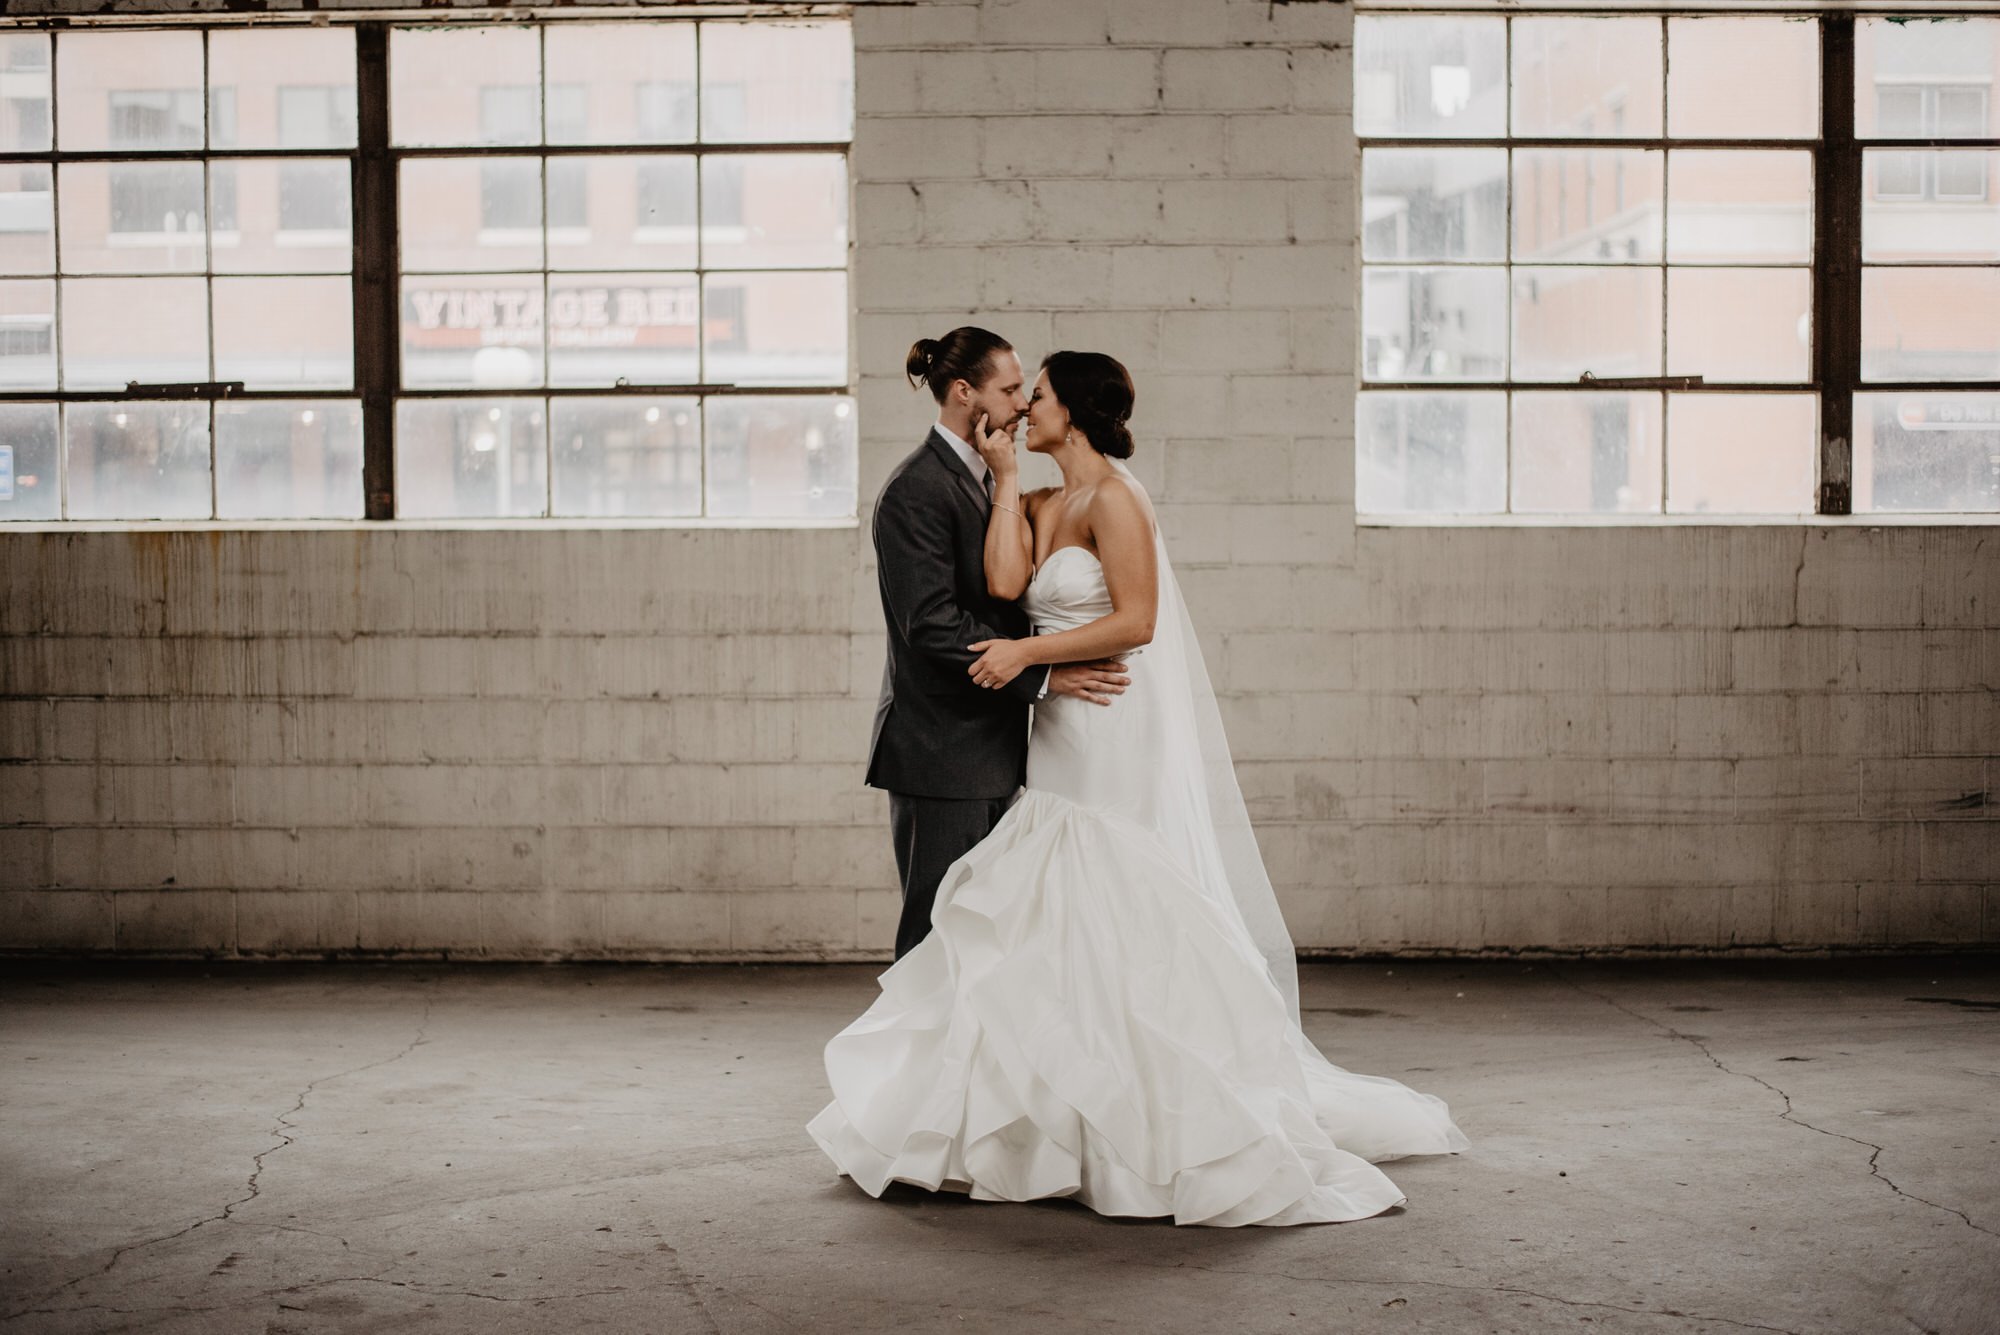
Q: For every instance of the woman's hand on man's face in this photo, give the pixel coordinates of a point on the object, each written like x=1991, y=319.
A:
x=995, y=446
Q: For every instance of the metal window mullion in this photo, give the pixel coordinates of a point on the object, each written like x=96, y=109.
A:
x=1635, y=144
x=646, y=391
x=1507, y=253
x=119, y=157
x=548, y=263
x=700, y=283
x=1836, y=296
x=208, y=255
x=56, y=300
x=760, y=148
x=373, y=214
x=208, y=294
x=1666, y=266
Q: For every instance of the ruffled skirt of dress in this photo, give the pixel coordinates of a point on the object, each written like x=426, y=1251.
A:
x=1084, y=1022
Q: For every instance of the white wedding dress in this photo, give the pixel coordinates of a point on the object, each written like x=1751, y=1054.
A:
x=1106, y=1006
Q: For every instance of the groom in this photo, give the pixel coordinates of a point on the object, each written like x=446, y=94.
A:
x=952, y=754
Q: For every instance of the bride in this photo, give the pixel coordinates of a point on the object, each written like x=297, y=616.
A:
x=1106, y=1007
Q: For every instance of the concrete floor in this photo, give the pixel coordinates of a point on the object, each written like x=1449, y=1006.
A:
x=1789, y=1146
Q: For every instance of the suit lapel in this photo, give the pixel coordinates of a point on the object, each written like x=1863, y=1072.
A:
x=960, y=474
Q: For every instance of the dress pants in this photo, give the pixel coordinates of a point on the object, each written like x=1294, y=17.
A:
x=931, y=833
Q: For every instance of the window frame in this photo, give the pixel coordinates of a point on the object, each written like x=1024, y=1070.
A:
x=374, y=167
x=1836, y=267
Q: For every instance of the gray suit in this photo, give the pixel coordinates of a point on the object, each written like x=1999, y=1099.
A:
x=950, y=754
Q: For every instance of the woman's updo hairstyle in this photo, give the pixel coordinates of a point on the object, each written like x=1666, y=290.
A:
x=1097, y=392
x=966, y=353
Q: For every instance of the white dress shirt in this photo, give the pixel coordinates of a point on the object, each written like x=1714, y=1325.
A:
x=977, y=466
x=967, y=455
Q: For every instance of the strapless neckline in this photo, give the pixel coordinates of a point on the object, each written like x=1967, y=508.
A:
x=1050, y=559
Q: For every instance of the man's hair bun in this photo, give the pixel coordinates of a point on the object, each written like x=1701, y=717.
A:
x=922, y=353
x=966, y=353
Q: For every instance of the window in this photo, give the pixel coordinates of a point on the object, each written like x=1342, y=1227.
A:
x=659, y=329
x=143, y=278
x=1610, y=267
x=313, y=196
x=316, y=116
x=1917, y=111
x=156, y=118
x=622, y=285
x=1930, y=268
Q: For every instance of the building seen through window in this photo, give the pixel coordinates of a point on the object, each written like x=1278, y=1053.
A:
x=621, y=289
x=1617, y=199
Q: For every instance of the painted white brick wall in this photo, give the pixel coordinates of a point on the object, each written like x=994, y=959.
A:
x=650, y=743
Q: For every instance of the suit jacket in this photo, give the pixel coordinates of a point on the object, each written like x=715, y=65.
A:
x=937, y=734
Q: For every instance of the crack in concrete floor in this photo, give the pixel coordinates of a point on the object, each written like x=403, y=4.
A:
x=253, y=1185
x=899, y=1306
x=1490, y=1288
x=1786, y=1114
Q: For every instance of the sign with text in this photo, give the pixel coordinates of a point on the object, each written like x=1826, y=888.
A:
x=578, y=315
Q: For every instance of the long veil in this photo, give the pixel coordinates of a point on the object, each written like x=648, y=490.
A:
x=1198, y=777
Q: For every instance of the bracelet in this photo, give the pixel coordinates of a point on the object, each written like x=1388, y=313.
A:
x=1010, y=510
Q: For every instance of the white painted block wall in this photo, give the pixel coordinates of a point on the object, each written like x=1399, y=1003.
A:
x=649, y=743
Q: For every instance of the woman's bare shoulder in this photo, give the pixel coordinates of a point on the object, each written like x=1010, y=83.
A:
x=1036, y=499
x=1121, y=495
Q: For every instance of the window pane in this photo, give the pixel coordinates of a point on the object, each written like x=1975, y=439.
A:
x=470, y=213
x=153, y=330
x=781, y=457
x=1431, y=453
x=472, y=331
x=1960, y=177
x=464, y=85
x=1740, y=324
x=24, y=83
x=625, y=456
x=776, y=82
x=1741, y=453
x=131, y=91
x=1898, y=175
x=774, y=329
x=27, y=334
x=1930, y=205
x=1739, y=208
x=1434, y=204
x=1899, y=110
x=133, y=217
x=1926, y=78
x=1434, y=324
x=1587, y=77
x=296, y=460
x=29, y=485
x=1430, y=77
x=774, y=211
x=27, y=219
x=294, y=87
x=638, y=81
x=1926, y=452
x=137, y=460
x=285, y=333
x=1587, y=205
x=1586, y=453
x=1748, y=78
x=636, y=327
x=471, y=458
x=1602, y=320
x=1930, y=324
x=627, y=211
x=291, y=215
